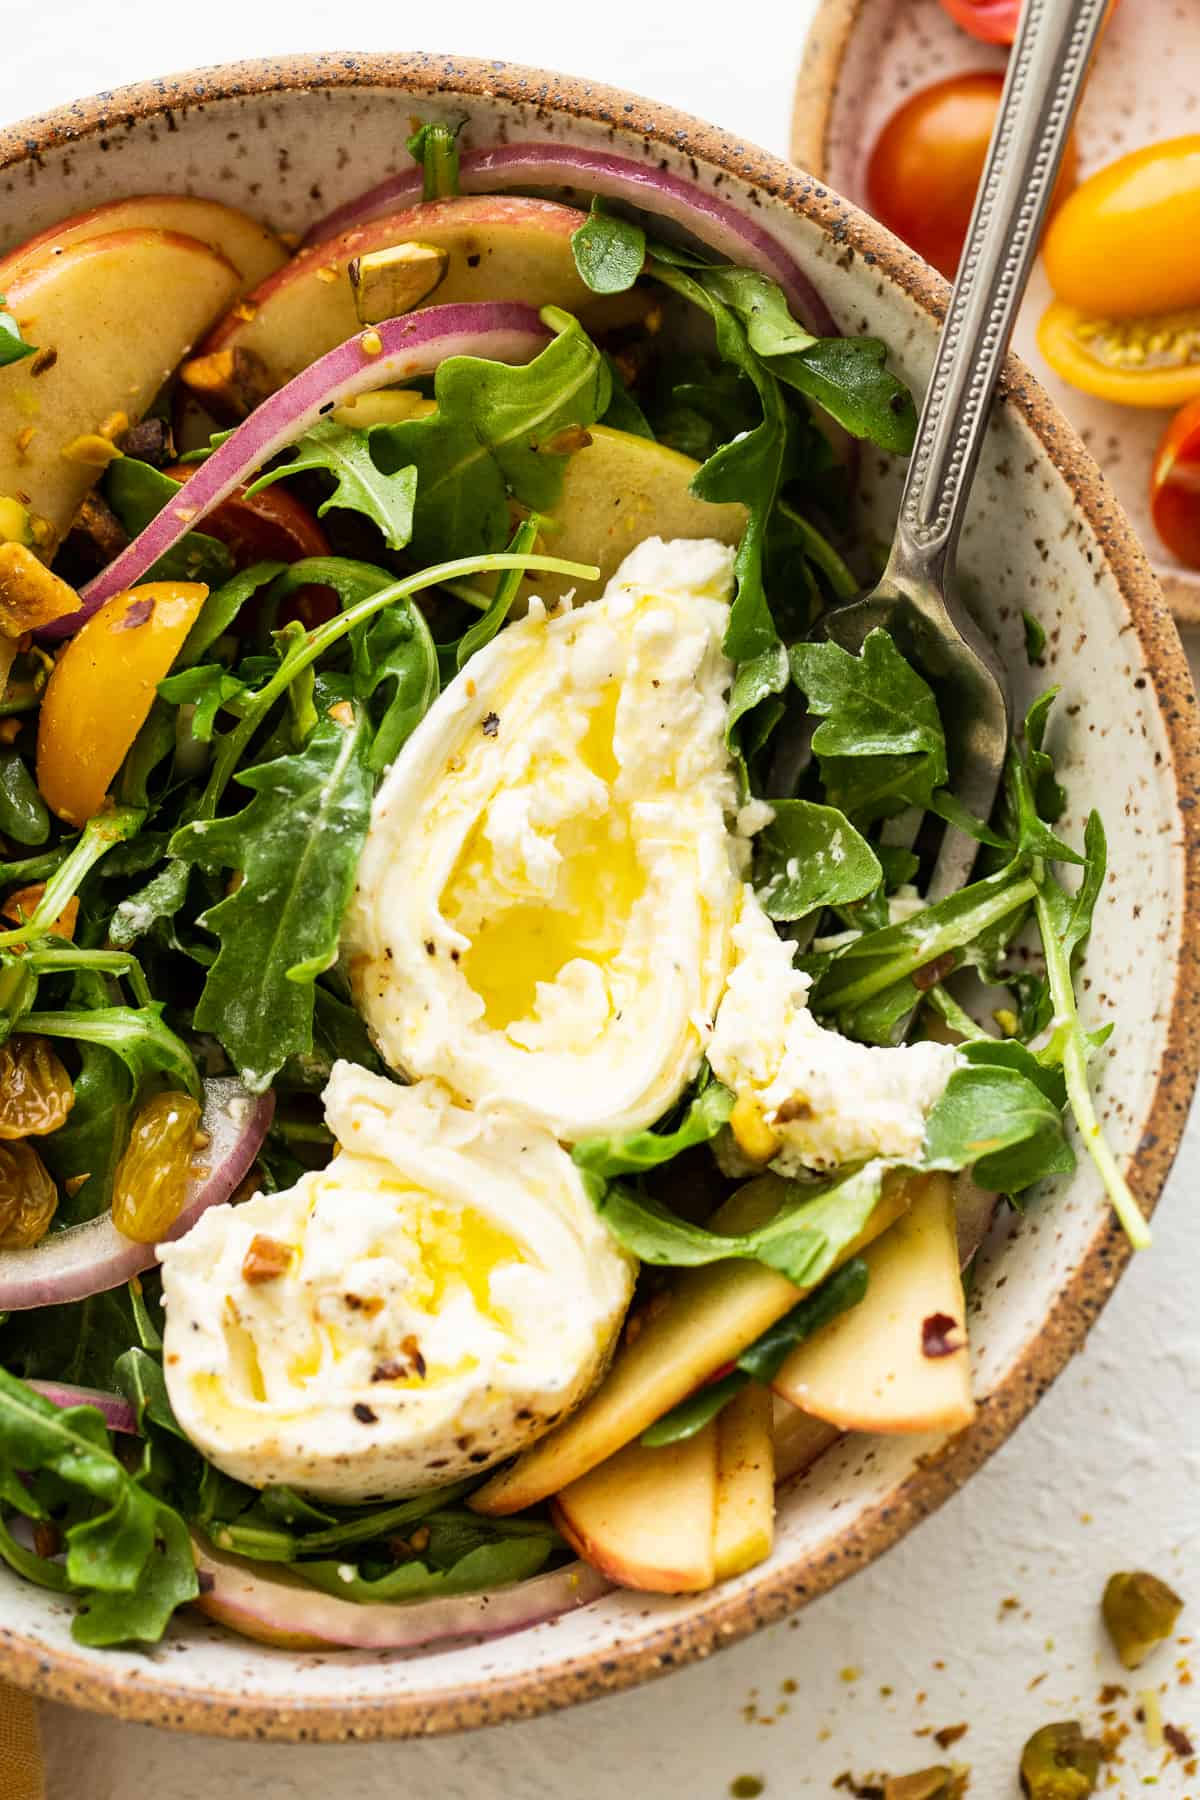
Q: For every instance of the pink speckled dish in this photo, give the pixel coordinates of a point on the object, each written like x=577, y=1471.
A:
x=291, y=139
x=864, y=58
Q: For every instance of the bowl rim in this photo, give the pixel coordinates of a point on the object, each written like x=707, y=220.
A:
x=815, y=100
x=726, y=1617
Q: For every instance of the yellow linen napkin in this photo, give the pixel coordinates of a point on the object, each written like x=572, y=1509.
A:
x=20, y=1747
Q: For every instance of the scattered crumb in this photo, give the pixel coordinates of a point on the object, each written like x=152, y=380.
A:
x=949, y=1734
x=1179, y=1740
x=746, y=1787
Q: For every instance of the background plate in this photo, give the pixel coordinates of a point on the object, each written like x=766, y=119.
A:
x=863, y=58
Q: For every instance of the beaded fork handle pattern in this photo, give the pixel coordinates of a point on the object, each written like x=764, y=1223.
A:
x=1046, y=73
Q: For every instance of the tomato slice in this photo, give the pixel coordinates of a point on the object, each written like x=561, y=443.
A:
x=271, y=526
x=1152, y=362
x=1175, y=486
x=992, y=21
x=927, y=161
x=1124, y=244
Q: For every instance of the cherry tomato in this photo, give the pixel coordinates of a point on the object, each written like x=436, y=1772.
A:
x=1175, y=486
x=271, y=526
x=928, y=159
x=992, y=21
x=1152, y=361
x=1125, y=242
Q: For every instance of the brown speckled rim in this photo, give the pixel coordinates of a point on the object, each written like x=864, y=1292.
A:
x=813, y=108
x=154, y=1697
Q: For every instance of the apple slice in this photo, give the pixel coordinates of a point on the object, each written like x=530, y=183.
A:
x=645, y=1517
x=617, y=491
x=898, y=1361
x=111, y=317
x=744, y=1529
x=707, y=1319
x=254, y=251
x=497, y=246
x=800, y=1440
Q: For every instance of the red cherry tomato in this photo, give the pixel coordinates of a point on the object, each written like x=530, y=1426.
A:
x=926, y=165
x=992, y=21
x=271, y=526
x=1175, y=486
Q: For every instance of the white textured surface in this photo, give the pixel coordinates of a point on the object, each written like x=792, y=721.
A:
x=1106, y=1473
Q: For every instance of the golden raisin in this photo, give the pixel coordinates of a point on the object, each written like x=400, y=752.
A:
x=151, y=1182
x=28, y=1197
x=36, y=1093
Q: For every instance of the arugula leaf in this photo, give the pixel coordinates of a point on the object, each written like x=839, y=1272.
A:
x=609, y=251
x=78, y=1342
x=493, y=434
x=132, y=1562
x=344, y=452
x=811, y=1227
x=435, y=146
x=161, y=898
x=297, y=845
x=221, y=609
x=13, y=347
x=1035, y=638
x=623, y=412
x=811, y=856
x=994, y=1120
x=640, y=1150
x=23, y=814
x=764, y=1358
x=267, y=1530
x=91, y=1141
x=880, y=739
x=137, y=493
x=208, y=688
x=138, y=1035
x=495, y=1564
x=507, y=588
x=98, y=836
x=846, y=376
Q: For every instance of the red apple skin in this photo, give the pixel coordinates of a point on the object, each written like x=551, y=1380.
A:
x=254, y=251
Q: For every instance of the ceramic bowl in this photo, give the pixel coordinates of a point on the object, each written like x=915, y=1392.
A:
x=289, y=140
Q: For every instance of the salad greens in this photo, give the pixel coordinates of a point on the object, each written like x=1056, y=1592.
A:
x=193, y=924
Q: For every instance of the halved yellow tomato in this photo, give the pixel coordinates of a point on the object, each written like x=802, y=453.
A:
x=1150, y=361
x=1124, y=243
x=103, y=686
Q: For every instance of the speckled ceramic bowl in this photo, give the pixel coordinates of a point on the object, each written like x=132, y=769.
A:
x=289, y=140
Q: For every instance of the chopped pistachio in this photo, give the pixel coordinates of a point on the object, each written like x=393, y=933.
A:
x=388, y=282
x=1059, y=1763
x=1140, y=1611
x=938, y=1783
x=92, y=450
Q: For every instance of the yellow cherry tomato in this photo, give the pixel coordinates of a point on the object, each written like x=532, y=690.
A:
x=1153, y=361
x=1125, y=243
x=102, y=687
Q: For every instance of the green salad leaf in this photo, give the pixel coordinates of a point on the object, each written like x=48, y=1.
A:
x=344, y=453
x=23, y=814
x=139, y=1035
x=609, y=251
x=495, y=1564
x=637, y=1151
x=497, y=431
x=810, y=1228
x=13, y=347
x=810, y=856
x=996, y=1121
x=880, y=740
x=296, y=846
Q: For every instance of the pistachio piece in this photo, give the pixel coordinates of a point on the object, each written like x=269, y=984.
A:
x=938, y=1783
x=388, y=282
x=1059, y=1763
x=1140, y=1611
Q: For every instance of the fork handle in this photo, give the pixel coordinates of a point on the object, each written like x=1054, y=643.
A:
x=1046, y=73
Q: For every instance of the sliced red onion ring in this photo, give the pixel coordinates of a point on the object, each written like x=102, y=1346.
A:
x=282, y=1608
x=93, y=1257
x=118, y=1414
x=716, y=223
x=414, y=345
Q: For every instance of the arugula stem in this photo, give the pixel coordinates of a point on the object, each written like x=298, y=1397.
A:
x=1074, y=1064
x=820, y=551
x=97, y=836
x=933, y=943
x=232, y=746
x=35, y=868
x=947, y=1007
x=102, y=962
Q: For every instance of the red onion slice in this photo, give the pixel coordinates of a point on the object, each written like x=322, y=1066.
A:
x=118, y=1414
x=282, y=1608
x=716, y=223
x=414, y=345
x=93, y=1257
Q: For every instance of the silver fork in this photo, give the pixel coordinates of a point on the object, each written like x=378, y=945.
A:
x=917, y=599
